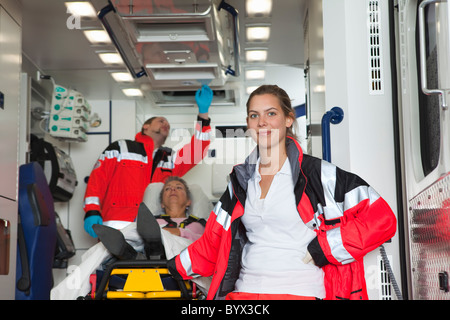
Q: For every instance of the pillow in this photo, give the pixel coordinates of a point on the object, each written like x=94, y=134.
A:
x=200, y=207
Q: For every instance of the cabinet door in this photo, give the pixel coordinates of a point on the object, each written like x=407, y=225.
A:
x=8, y=248
x=10, y=64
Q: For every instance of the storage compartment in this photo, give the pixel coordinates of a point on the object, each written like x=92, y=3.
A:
x=174, y=41
x=5, y=241
x=173, y=31
x=185, y=72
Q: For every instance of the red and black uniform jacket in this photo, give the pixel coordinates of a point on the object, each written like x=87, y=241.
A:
x=348, y=216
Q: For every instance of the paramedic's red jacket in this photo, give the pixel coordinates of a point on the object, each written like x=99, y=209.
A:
x=348, y=216
x=123, y=171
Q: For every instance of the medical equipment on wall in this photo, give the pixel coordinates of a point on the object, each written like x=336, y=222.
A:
x=69, y=115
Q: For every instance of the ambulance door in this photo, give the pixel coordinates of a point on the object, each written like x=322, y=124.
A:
x=424, y=70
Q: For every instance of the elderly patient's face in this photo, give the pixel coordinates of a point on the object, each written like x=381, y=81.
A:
x=174, y=192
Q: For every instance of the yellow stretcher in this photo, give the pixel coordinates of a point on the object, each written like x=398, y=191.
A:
x=144, y=280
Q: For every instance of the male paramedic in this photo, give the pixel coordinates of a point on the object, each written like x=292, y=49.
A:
x=123, y=171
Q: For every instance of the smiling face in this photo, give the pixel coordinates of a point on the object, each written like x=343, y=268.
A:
x=267, y=121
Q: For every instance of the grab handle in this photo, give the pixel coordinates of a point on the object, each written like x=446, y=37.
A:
x=234, y=14
x=422, y=51
x=334, y=116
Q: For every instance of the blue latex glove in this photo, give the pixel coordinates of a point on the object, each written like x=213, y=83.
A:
x=203, y=97
x=89, y=222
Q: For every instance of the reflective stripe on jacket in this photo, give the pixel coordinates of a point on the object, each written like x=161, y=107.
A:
x=348, y=216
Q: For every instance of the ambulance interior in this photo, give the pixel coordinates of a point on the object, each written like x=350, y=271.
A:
x=56, y=52
x=159, y=55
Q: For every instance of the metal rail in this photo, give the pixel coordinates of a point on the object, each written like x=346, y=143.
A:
x=422, y=50
x=334, y=116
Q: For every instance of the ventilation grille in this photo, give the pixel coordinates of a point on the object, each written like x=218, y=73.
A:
x=385, y=280
x=375, y=47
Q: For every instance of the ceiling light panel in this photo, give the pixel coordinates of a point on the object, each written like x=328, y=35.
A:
x=110, y=58
x=255, y=74
x=258, y=55
x=257, y=8
x=81, y=9
x=258, y=33
x=132, y=92
x=122, y=76
x=97, y=36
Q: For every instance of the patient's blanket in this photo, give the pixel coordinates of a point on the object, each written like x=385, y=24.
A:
x=77, y=284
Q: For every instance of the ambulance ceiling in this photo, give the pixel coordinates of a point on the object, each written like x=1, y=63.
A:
x=55, y=44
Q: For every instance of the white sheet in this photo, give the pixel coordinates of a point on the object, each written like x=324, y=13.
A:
x=76, y=284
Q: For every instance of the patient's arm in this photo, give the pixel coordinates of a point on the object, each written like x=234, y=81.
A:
x=192, y=231
x=174, y=231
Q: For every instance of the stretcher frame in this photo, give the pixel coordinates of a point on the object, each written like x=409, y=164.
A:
x=143, y=282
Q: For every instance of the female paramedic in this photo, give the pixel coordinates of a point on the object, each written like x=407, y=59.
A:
x=289, y=226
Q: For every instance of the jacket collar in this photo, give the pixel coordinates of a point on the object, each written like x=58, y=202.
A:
x=142, y=138
x=146, y=141
x=245, y=171
x=295, y=156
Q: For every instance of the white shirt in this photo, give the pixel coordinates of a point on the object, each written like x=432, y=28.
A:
x=277, y=242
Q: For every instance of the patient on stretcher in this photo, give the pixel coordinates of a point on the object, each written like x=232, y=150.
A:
x=175, y=199
x=77, y=282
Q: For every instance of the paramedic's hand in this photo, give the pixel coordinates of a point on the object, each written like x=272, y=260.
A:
x=89, y=222
x=307, y=258
x=203, y=97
